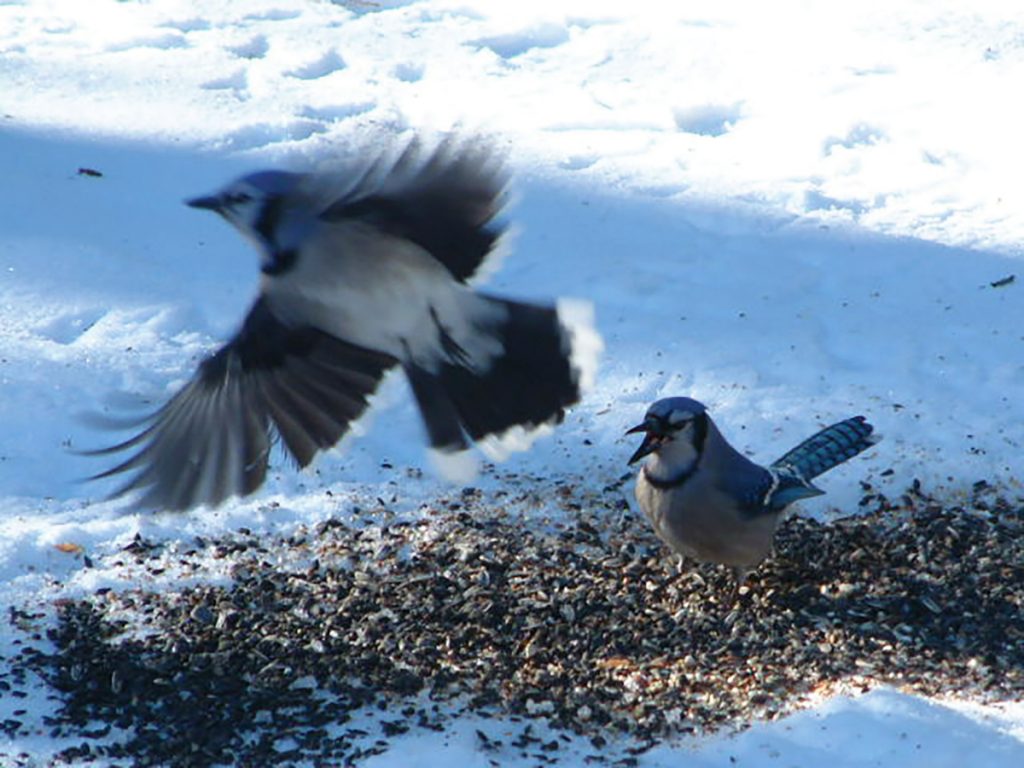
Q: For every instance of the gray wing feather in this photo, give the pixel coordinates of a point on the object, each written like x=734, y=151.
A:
x=212, y=439
x=444, y=200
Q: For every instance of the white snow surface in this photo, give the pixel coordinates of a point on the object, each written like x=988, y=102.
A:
x=793, y=211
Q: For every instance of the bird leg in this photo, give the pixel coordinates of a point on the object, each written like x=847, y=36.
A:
x=739, y=576
x=668, y=580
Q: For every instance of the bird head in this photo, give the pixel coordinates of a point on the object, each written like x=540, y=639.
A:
x=257, y=206
x=679, y=422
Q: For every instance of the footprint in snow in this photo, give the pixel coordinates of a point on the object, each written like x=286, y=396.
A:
x=274, y=14
x=363, y=7
x=70, y=327
x=264, y=134
x=238, y=81
x=188, y=25
x=814, y=200
x=517, y=43
x=333, y=113
x=708, y=119
x=860, y=135
x=164, y=42
x=408, y=72
x=256, y=48
x=578, y=162
x=327, y=64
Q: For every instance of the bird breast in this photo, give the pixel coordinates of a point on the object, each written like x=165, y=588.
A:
x=701, y=522
x=385, y=293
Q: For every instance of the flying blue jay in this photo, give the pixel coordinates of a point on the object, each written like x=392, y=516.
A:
x=362, y=273
x=707, y=501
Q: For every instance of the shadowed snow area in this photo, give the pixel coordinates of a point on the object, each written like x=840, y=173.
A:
x=794, y=214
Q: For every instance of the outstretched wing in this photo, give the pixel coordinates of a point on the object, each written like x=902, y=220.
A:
x=444, y=200
x=212, y=439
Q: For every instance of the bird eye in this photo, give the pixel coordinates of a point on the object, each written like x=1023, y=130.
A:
x=237, y=198
x=679, y=419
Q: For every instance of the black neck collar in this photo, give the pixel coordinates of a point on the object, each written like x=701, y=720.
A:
x=672, y=482
x=280, y=262
x=700, y=426
x=700, y=437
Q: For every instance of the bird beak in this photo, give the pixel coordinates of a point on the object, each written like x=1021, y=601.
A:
x=652, y=441
x=209, y=203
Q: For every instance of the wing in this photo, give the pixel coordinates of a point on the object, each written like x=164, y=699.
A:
x=212, y=439
x=753, y=492
x=444, y=202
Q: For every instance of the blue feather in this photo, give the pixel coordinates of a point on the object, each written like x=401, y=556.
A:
x=789, y=487
x=828, y=448
x=793, y=472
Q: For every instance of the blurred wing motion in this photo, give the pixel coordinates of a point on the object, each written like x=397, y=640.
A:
x=362, y=272
x=445, y=203
x=212, y=440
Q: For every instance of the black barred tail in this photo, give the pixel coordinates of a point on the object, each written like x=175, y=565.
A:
x=548, y=358
x=829, y=448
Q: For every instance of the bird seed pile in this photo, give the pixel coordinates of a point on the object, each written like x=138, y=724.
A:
x=587, y=624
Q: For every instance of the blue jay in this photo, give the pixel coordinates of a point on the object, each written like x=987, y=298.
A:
x=362, y=273
x=707, y=501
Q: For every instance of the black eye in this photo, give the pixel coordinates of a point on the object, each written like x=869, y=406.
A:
x=237, y=198
x=677, y=421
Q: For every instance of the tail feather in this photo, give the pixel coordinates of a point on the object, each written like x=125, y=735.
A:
x=789, y=486
x=440, y=418
x=529, y=384
x=828, y=448
x=542, y=369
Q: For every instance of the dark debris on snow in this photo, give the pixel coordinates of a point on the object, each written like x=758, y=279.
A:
x=587, y=624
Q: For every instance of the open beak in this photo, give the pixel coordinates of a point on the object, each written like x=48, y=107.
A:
x=652, y=441
x=209, y=203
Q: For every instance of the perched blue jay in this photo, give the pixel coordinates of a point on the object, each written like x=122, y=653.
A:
x=709, y=502
x=362, y=273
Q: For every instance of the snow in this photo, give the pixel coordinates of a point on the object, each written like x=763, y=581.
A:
x=793, y=211
x=881, y=728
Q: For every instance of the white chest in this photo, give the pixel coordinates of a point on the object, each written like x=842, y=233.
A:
x=701, y=522
x=383, y=293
